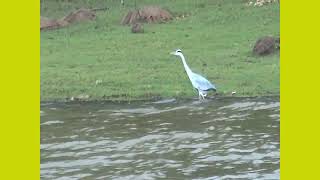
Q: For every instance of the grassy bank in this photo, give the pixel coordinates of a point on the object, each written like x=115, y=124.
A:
x=216, y=38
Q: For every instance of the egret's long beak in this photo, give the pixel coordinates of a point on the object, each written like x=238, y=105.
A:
x=173, y=53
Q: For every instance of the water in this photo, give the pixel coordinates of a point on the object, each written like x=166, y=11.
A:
x=231, y=138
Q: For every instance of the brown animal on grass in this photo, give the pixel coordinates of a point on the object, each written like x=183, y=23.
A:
x=266, y=45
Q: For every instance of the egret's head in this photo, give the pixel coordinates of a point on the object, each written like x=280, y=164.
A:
x=176, y=52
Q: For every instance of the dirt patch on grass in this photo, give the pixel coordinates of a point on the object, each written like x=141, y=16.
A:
x=79, y=15
x=46, y=23
x=148, y=14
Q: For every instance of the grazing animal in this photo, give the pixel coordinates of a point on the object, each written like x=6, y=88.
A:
x=137, y=28
x=201, y=84
x=266, y=45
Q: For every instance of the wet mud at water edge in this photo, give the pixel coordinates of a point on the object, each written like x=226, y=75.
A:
x=231, y=138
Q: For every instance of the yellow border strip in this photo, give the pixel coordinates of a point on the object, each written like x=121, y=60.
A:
x=299, y=93
x=20, y=130
x=20, y=90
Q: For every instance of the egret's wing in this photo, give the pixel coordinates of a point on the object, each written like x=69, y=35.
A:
x=202, y=83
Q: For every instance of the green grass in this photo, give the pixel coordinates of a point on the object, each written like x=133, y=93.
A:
x=218, y=33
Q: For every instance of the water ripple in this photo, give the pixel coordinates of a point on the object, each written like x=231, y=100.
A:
x=169, y=139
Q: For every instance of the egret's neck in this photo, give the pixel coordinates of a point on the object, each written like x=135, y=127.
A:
x=186, y=67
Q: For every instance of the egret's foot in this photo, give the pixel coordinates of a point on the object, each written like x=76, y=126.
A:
x=202, y=96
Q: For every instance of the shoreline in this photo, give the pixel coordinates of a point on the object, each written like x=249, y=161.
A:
x=173, y=99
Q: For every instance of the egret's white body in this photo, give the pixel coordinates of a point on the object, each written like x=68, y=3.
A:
x=201, y=84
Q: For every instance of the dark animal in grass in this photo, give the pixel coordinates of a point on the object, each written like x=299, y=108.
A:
x=266, y=45
x=137, y=28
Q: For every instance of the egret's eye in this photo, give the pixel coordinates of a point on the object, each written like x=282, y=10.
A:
x=179, y=51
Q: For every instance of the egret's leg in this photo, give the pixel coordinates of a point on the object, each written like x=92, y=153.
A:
x=202, y=95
